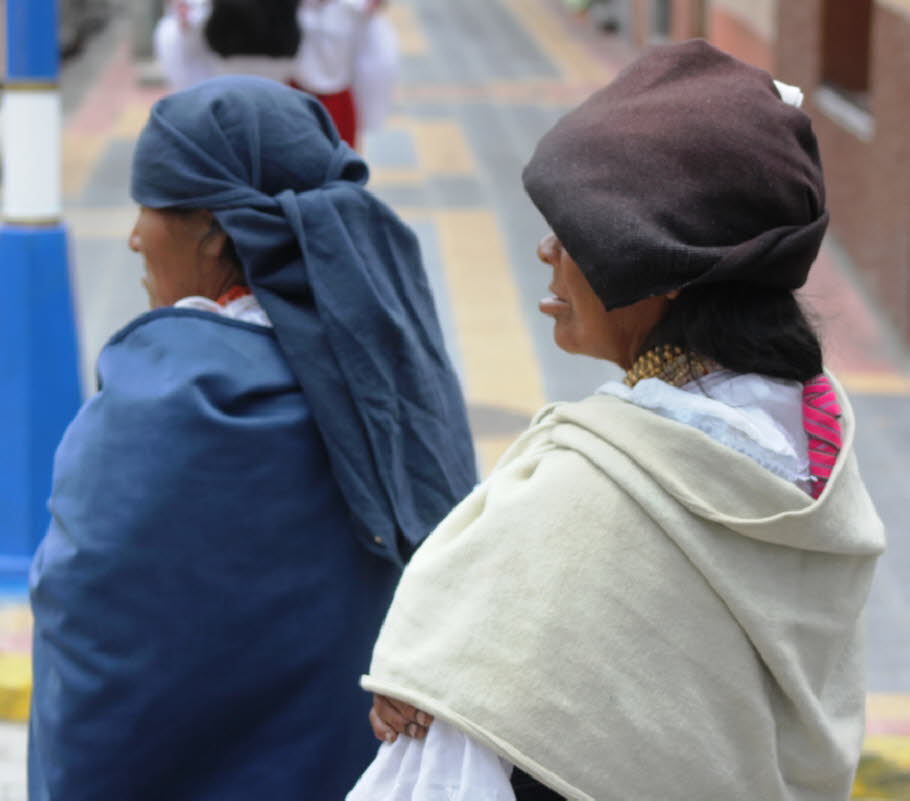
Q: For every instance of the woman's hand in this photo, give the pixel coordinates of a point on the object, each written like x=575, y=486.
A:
x=390, y=717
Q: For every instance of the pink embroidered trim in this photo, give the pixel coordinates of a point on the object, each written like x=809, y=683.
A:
x=821, y=413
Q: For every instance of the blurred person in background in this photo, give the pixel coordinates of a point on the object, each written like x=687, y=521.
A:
x=343, y=51
x=268, y=445
x=658, y=592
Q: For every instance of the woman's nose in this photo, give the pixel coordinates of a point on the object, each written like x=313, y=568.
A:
x=547, y=249
x=134, y=242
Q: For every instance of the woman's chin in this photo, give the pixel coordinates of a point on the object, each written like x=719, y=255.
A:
x=564, y=339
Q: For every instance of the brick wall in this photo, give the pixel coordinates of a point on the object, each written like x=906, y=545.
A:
x=865, y=140
x=745, y=28
x=867, y=169
x=687, y=20
x=641, y=22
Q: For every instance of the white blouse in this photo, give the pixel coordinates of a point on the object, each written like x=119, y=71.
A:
x=245, y=308
x=755, y=415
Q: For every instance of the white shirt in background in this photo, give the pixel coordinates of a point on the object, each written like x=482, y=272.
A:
x=344, y=45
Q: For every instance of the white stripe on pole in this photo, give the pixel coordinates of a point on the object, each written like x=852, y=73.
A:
x=31, y=155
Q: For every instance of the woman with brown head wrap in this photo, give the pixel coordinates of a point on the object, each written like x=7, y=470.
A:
x=657, y=593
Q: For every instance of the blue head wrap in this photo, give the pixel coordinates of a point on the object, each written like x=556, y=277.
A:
x=340, y=277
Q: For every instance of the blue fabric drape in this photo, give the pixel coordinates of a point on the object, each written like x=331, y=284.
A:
x=202, y=608
x=342, y=280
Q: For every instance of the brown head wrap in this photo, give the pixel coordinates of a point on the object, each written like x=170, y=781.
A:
x=687, y=169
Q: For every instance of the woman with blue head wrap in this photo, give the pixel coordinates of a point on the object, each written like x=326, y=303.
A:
x=268, y=446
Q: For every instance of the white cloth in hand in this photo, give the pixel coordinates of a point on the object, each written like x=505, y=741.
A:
x=446, y=766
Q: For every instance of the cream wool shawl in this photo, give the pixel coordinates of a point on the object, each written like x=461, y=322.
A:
x=628, y=609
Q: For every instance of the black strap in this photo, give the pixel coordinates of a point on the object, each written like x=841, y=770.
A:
x=527, y=788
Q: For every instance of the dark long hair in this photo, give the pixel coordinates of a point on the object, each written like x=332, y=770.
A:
x=745, y=328
x=254, y=28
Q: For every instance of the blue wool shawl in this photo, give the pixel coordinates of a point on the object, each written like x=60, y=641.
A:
x=202, y=608
x=341, y=278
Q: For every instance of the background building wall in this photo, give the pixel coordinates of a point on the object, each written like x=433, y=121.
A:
x=641, y=22
x=747, y=28
x=744, y=27
x=759, y=16
x=865, y=150
x=688, y=20
x=864, y=136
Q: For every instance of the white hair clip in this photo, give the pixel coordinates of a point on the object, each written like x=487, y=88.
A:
x=791, y=95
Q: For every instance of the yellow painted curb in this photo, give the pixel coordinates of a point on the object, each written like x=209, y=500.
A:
x=15, y=660
x=501, y=368
x=884, y=770
x=862, y=383
x=571, y=58
x=131, y=121
x=880, y=779
x=15, y=686
x=440, y=144
x=80, y=155
x=412, y=40
x=893, y=748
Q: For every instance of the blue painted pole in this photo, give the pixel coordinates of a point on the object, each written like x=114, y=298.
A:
x=39, y=375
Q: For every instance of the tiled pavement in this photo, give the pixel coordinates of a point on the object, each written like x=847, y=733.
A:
x=482, y=80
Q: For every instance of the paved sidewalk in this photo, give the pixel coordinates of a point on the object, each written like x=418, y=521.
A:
x=12, y=761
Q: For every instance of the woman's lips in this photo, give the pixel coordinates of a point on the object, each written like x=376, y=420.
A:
x=553, y=305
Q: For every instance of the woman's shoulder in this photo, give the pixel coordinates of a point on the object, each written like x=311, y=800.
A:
x=187, y=315
x=165, y=352
x=189, y=392
x=190, y=332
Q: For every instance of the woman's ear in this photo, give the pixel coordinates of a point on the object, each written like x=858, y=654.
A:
x=212, y=244
x=211, y=235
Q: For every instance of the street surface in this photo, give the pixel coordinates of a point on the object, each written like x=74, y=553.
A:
x=482, y=80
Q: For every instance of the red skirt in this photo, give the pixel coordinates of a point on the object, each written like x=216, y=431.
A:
x=340, y=106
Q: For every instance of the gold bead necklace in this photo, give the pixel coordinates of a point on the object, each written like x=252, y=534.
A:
x=671, y=364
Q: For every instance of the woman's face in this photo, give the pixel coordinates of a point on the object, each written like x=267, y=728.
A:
x=582, y=324
x=181, y=259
